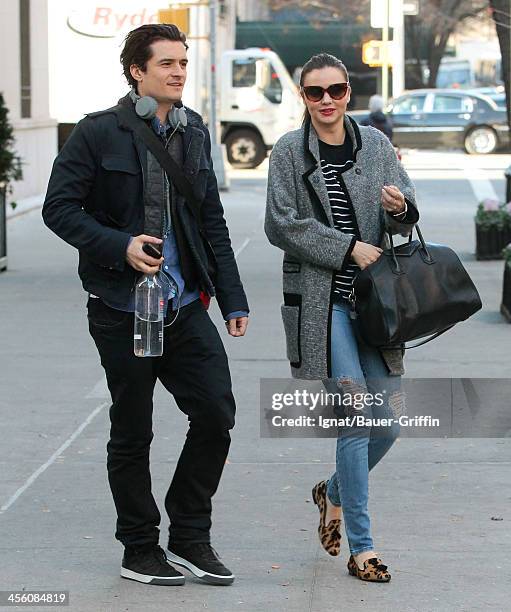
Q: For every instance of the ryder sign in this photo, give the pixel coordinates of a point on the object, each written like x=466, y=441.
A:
x=108, y=20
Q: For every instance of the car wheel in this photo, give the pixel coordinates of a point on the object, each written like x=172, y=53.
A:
x=481, y=140
x=245, y=149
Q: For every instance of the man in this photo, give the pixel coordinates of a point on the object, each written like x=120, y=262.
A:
x=105, y=190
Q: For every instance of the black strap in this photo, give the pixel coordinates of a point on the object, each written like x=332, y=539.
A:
x=173, y=171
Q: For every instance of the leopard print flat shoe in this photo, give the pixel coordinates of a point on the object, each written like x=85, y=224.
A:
x=374, y=570
x=329, y=535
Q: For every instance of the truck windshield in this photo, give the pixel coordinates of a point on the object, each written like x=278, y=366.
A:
x=259, y=72
x=244, y=72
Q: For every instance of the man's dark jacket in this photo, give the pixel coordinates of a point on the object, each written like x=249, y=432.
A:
x=95, y=202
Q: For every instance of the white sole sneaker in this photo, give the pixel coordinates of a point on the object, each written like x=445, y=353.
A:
x=148, y=579
x=217, y=579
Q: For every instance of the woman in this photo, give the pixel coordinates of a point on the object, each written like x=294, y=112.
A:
x=332, y=189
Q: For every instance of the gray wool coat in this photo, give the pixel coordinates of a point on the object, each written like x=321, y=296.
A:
x=299, y=221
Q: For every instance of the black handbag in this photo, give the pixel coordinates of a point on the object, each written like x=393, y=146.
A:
x=413, y=290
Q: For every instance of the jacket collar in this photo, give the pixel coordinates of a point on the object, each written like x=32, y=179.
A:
x=313, y=175
x=193, y=139
x=311, y=141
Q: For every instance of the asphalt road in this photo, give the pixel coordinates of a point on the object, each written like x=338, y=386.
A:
x=440, y=507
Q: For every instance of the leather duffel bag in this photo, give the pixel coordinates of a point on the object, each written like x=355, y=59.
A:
x=413, y=290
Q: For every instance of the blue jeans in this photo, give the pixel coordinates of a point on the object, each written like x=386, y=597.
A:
x=359, y=367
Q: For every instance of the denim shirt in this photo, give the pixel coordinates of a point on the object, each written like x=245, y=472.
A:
x=171, y=278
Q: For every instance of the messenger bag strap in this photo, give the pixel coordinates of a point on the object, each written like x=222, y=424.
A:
x=174, y=172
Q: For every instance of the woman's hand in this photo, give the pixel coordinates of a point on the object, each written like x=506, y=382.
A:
x=364, y=254
x=392, y=200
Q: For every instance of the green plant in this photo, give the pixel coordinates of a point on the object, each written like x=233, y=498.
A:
x=492, y=214
x=506, y=254
x=10, y=163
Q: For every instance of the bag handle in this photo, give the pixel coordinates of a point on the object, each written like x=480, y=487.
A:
x=174, y=172
x=429, y=259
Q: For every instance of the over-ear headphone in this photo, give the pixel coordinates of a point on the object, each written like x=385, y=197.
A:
x=146, y=108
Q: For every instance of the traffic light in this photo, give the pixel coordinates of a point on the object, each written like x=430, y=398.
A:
x=373, y=52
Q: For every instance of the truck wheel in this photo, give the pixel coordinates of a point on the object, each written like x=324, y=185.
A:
x=245, y=149
x=481, y=140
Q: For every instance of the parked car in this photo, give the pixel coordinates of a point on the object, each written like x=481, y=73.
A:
x=497, y=94
x=430, y=118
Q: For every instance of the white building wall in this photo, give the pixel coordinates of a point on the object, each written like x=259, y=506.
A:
x=9, y=42
x=85, y=72
x=36, y=137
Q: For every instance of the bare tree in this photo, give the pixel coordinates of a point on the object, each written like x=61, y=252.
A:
x=432, y=27
x=427, y=34
x=501, y=13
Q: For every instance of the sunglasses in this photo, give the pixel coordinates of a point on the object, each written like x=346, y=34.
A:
x=315, y=93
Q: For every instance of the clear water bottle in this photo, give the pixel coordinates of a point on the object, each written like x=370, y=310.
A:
x=149, y=302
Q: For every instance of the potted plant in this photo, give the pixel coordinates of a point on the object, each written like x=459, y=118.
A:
x=10, y=170
x=505, y=307
x=493, y=228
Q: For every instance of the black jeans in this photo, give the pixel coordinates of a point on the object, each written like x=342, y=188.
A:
x=195, y=370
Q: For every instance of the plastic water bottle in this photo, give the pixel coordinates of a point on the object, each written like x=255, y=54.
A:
x=149, y=302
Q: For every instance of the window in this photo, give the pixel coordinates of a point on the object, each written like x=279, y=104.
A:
x=452, y=104
x=26, y=86
x=257, y=72
x=270, y=82
x=453, y=77
x=244, y=73
x=410, y=104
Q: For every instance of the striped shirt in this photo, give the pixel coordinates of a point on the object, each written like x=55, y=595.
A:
x=335, y=159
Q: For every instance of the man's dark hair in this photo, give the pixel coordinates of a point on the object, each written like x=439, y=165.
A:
x=137, y=45
x=316, y=62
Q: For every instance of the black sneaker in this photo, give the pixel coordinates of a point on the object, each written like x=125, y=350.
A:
x=148, y=564
x=202, y=560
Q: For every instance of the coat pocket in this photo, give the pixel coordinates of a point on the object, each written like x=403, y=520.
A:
x=121, y=188
x=291, y=267
x=291, y=312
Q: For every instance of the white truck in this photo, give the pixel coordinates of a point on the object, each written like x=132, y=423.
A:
x=258, y=101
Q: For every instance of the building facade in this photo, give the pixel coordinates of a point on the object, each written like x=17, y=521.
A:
x=25, y=84
x=64, y=62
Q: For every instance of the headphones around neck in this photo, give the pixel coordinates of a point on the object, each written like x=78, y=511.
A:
x=146, y=108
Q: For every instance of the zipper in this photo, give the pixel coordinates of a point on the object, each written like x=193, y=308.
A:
x=166, y=229
x=353, y=301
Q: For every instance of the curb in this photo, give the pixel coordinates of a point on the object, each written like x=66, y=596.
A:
x=24, y=206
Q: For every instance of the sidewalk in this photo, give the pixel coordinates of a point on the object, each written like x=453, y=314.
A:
x=432, y=501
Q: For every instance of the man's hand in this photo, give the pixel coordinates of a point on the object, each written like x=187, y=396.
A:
x=392, y=200
x=237, y=327
x=364, y=254
x=139, y=260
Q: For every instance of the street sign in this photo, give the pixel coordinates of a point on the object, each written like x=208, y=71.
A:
x=378, y=13
x=410, y=7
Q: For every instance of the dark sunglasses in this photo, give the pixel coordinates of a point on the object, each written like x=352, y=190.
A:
x=315, y=93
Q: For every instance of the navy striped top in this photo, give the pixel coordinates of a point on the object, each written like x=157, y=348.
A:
x=336, y=159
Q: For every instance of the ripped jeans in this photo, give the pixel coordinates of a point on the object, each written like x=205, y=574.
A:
x=359, y=368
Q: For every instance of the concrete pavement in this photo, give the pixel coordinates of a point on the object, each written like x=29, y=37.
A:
x=432, y=501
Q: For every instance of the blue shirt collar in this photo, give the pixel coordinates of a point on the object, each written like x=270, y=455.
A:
x=158, y=127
